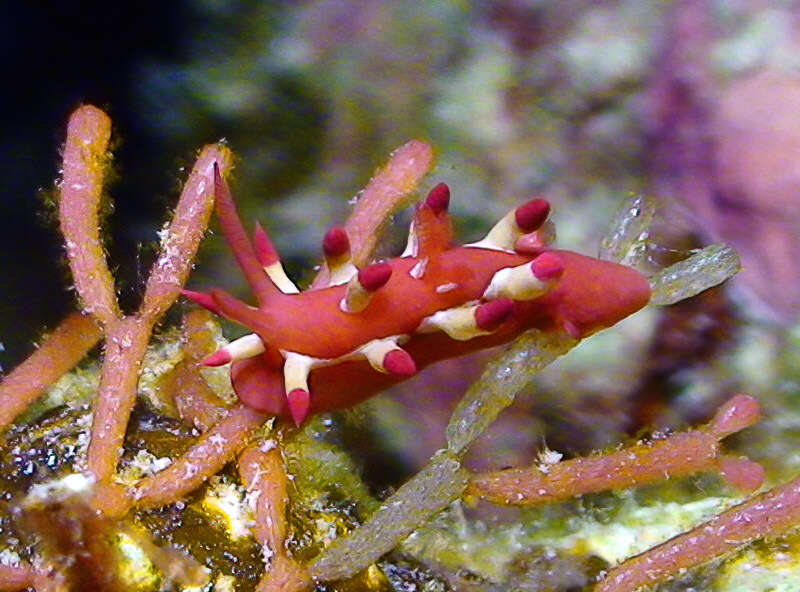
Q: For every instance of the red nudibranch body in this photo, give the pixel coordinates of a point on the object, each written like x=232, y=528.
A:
x=334, y=346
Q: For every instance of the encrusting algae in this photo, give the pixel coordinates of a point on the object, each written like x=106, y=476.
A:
x=126, y=480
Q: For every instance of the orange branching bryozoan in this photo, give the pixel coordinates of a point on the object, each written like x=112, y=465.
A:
x=367, y=328
x=263, y=473
x=67, y=345
x=644, y=463
x=126, y=336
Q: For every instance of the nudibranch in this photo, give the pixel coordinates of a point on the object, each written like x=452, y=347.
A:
x=332, y=346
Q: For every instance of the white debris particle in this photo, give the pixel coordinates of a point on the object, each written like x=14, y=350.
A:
x=217, y=440
x=419, y=269
x=225, y=583
x=9, y=558
x=59, y=489
x=267, y=554
x=142, y=465
x=230, y=501
x=547, y=458
x=326, y=529
x=268, y=445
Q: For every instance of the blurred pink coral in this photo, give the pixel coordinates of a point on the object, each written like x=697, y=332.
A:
x=730, y=157
x=757, y=169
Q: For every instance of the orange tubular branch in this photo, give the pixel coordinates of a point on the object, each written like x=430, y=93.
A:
x=181, y=239
x=264, y=475
x=197, y=404
x=81, y=189
x=126, y=343
x=16, y=577
x=387, y=192
x=126, y=337
x=678, y=455
x=770, y=514
x=23, y=576
x=207, y=456
x=61, y=351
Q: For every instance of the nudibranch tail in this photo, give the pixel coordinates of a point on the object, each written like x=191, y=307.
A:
x=236, y=310
x=203, y=299
x=239, y=242
x=371, y=327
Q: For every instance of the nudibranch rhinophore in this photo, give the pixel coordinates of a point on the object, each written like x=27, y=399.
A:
x=333, y=346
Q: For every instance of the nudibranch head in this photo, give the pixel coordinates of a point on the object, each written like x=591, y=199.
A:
x=332, y=346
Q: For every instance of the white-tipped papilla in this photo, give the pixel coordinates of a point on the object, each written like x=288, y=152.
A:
x=527, y=218
x=342, y=273
x=296, y=370
x=356, y=298
x=238, y=349
x=517, y=283
x=247, y=346
x=459, y=323
x=375, y=351
x=412, y=245
x=277, y=274
x=501, y=237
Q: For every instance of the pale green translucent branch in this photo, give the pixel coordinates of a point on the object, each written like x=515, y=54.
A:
x=626, y=238
x=425, y=494
x=706, y=268
x=443, y=480
x=503, y=378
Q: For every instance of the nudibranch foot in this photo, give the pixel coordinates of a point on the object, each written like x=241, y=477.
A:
x=372, y=326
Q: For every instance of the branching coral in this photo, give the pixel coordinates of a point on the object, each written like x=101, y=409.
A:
x=67, y=345
x=772, y=513
x=263, y=473
x=195, y=401
x=551, y=299
x=676, y=455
